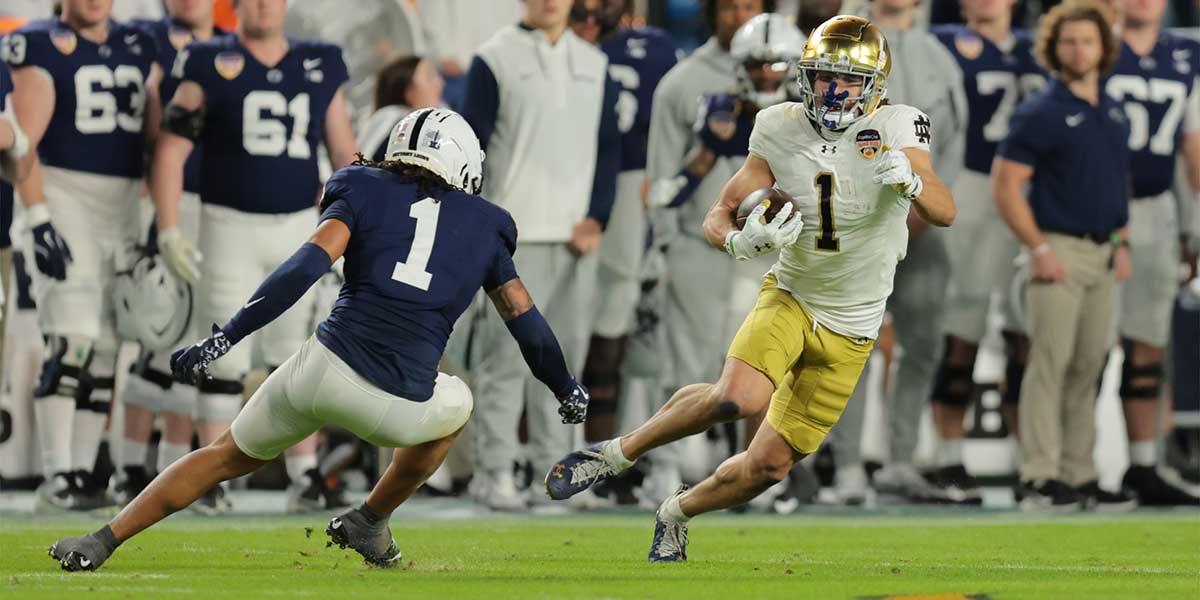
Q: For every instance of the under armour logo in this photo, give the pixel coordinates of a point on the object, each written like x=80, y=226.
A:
x=921, y=129
x=827, y=149
x=760, y=248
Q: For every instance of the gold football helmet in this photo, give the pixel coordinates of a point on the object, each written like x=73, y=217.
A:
x=847, y=45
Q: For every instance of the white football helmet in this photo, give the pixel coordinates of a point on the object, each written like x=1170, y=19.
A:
x=153, y=307
x=440, y=140
x=770, y=42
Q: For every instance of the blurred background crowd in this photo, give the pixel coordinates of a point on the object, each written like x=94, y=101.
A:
x=644, y=306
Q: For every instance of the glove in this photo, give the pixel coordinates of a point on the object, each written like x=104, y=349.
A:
x=756, y=239
x=190, y=365
x=50, y=250
x=663, y=192
x=892, y=168
x=181, y=256
x=573, y=407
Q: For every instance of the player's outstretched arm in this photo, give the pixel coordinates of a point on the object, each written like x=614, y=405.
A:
x=277, y=293
x=540, y=348
x=755, y=174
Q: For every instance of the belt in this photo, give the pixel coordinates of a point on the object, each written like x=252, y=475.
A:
x=1097, y=238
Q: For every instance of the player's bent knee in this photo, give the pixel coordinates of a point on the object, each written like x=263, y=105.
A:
x=1139, y=382
x=66, y=362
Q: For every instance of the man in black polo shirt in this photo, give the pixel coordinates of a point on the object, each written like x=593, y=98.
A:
x=1070, y=142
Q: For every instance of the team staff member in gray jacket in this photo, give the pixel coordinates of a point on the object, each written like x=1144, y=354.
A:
x=695, y=349
x=544, y=108
x=926, y=76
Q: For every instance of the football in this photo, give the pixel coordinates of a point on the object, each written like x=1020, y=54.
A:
x=774, y=198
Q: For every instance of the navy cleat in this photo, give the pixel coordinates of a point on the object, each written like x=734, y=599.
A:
x=581, y=470
x=83, y=553
x=670, y=537
x=373, y=541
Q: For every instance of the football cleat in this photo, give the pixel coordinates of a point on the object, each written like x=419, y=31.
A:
x=83, y=553
x=670, y=538
x=580, y=470
x=213, y=502
x=373, y=542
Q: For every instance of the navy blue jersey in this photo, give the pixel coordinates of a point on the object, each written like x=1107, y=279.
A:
x=412, y=266
x=262, y=125
x=99, y=94
x=638, y=58
x=995, y=81
x=1155, y=89
x=170, y=38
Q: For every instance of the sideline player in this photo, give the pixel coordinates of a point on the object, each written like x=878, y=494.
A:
x=638, y=57
x=86, y=96
x=1156, y=79
x=998, y=71
x=149, y=389
x=371, y=367
x=259, y=104
x=806, y=341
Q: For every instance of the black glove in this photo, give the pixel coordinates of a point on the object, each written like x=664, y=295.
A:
x=50, y=251
x=573, y=406
x=190, y=365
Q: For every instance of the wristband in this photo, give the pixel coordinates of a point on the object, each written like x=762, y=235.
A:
x=1041, y=249
x=37, y=214
x=729, y=241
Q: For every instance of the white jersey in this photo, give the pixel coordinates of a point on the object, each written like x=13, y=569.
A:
x=855, y=232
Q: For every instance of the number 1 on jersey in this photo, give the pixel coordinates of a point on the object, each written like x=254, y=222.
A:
x=413, y=271
x=828, y=240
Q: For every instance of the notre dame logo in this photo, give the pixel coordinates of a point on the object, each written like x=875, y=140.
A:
x=921, y=128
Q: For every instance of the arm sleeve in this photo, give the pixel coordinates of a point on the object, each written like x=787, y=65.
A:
x=608, y=156
x=279, y=291
x=541, y=351
x=481, y=102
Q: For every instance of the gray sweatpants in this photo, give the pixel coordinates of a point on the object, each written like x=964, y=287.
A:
x=916, y=305
x=1069, y=324
x=563, y=289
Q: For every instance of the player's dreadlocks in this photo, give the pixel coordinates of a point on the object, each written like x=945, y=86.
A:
x=428, y=183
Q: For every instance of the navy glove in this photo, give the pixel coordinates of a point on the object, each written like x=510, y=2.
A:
x=190, y=365
x=724, y=126
x=50, y=250
x=573, y=406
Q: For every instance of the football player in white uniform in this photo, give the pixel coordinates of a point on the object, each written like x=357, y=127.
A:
x=854, y=167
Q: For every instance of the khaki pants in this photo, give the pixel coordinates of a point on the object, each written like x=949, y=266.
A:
x=1069, y=324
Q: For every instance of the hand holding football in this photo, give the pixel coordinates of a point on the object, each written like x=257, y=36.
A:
x=775, y=200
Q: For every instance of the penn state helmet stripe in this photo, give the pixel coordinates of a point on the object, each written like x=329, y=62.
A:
x=416, y=132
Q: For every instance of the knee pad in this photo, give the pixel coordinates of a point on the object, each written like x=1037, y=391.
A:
x=602, y=373
x=65, y=361
x=1139, y=382
x=219, y=400
x=954, y=384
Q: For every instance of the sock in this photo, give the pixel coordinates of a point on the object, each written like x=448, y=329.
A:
x=133, y=453
x=949, y=452
x=105, y=536
x=370, y=516
x=1143, y=454
x=672, y=512
x=88, y=430
x=612, y=451
x=168, y=453
x=298, y=466
x=55, y=418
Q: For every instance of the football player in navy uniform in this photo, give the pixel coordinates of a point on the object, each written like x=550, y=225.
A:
x=258, y=103
x=418, y=243
x=1156, y=79
x=998, y=72
x=638, y=57
x=86, y=96
x=149, y=389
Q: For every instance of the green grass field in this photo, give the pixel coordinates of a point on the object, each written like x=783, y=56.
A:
x=1000, y=556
